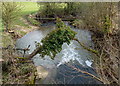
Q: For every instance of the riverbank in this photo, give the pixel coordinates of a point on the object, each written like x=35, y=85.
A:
x=108, y=60
x=106, y=63
x=15, y=70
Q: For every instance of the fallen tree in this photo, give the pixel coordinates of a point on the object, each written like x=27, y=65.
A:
x=53, y=19
x=52, y=43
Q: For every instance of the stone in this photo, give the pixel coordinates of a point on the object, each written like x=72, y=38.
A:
x=42, y=72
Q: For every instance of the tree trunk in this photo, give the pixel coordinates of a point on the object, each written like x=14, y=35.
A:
x=67, y=19
x=39, y=49
x=34, y=52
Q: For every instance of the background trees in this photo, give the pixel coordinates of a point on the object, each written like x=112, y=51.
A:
x=51, y=9
x=95, y=15
x=100, y=16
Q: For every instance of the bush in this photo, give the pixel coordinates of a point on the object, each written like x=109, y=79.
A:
x=10, y=12
x=51, y=9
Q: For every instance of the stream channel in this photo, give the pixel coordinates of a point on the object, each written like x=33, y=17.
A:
x=59, y=70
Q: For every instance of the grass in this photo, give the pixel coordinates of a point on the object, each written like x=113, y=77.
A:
x=1, y=25
x=17, y=72
x=22, y=33
x=21, y=23
x=26, y=8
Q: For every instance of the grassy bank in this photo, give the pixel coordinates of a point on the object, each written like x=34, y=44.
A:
x=27, y=8
x=16, y=71
x=21, y=27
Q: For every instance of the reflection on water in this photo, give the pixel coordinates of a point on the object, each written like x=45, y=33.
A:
x=72, y=54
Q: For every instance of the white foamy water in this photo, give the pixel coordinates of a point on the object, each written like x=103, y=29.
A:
x=70, y=52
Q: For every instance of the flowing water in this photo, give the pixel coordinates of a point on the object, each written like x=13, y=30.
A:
x=59, y=70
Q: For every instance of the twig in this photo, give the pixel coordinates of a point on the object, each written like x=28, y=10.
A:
x=93, y=76
x=93, y=51
x=5, y=48
x=34, y=52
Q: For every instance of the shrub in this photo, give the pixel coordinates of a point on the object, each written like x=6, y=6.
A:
x=10, y=12
x=51, y=9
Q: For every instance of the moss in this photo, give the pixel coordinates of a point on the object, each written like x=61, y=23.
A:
x=106, y=25
x=87, y=48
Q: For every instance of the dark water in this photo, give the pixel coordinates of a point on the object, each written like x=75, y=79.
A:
x=67, y=75
x=73, y=54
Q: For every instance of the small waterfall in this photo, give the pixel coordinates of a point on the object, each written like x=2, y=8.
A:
x=69, y=54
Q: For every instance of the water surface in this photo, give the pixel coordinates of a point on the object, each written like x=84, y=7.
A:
x=72, y=54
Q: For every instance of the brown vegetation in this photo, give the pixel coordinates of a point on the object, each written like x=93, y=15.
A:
x=108, y=60
x=15, y=70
